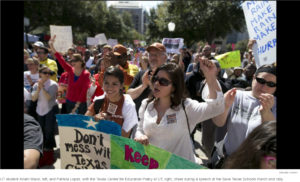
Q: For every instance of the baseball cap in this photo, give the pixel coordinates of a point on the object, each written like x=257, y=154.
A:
x=157, y=46
x=39, y=44
x=237, y=68
x=119, y=49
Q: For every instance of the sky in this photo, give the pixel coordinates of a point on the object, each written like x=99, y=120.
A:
x=146, y=4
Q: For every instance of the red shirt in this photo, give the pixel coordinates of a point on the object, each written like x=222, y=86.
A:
x=63, y=78
x=76, y=90
x=98, y=91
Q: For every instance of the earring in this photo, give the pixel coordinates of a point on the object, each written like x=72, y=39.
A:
x=172, y=95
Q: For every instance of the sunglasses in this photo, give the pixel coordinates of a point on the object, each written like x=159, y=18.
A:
x=161, y=81
x=270, y=161
x=263, y=81
x=49, y=73
x=40, y=52
x=74, y=60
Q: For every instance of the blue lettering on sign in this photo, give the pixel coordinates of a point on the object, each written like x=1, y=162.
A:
x=259, y=17
x=262, y=24
x=270, y=17
x=255, y=28
x=256, y=38
x=266, y=47
x=262, y=34
x=257, y=7
x=268, y=29
x=263, y=13
x=253, y=11
x=252, y=22
x=269, y=9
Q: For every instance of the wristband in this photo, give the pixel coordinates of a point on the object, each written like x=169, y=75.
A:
x=77, y=105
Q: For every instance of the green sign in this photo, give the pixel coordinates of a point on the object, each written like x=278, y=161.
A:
x=229, y=59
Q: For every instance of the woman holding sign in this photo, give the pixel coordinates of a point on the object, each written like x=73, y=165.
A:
x=114, y=105
x=78, y=81
x=167, y=118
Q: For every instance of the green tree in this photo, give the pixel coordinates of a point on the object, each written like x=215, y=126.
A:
x=197, y=20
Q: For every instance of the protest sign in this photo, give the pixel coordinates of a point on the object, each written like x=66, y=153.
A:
x=92, y=41
x=112, y=42
x=64, y=38
x=86, y=144
x=143, y=43
x=229, y=59
x=173, y=44
x=102, y=38
x=136, y=42
x=261, y=23
x=83, y=143
x=61, y=93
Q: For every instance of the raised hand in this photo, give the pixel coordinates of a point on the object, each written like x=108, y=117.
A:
x=208, y=67
x=229, y=97
x=267, y=102
x=143, y=140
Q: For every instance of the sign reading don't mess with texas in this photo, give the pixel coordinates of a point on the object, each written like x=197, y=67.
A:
x=85, y=144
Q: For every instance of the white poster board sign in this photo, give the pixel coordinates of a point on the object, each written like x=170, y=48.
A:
x=92, y=41
x=112, y=42
x=64, y=38
x=102, y=38
x=261, y=23
x=173, y=44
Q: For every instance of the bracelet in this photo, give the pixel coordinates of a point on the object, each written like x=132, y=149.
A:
x=77, y=105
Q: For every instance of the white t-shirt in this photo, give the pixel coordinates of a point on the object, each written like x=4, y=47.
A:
x=243, y=117
x=128, y=112
x=172, y=132
x=34, y=78
x=89, y=62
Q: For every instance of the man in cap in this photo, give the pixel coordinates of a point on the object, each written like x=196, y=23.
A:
x=139, y=88
x=121, y=52
x=36, y=46
x=112, y=59
x=236, y=73
x=42, y=53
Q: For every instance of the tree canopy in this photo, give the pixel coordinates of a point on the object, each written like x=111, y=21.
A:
x=196, y=20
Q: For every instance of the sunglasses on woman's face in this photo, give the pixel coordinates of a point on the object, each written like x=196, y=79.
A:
x=161, y=81
x=263, y=81
x=45, y=73
x=74, y=60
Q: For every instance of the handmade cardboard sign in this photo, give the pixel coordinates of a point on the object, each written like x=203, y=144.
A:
x=85, y=144
x=64, y=38
x=173, y=44
x=261, y=23
x=229, y=59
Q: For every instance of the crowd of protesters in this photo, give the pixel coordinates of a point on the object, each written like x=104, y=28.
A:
x=157, y=98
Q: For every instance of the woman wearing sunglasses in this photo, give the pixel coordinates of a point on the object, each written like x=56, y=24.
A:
x=167, y=118
x=78, y=81
x=245, y=110
x=258, y=151
x=114, y=105
x=44, y=91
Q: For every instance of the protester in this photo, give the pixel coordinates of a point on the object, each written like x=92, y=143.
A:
x=144, y=61
x=45, y=61
x=33, y=140
x=88, y=59
x=114, y=105
x=250, y=70
x=245, y=61
x=91, y=90
x=237, y=72
x=36, y=46
x=30, y=78
x=139, y=88
x=105, y=50
x=44, y=92
x=26, y=56
x=78, y=81
x=192, y=66
x=185, y=57
x=258, y=151
x=245, y=110
x=167, y=118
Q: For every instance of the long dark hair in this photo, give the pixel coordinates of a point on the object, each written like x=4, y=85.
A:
x=261, y=141
x=176, y=76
